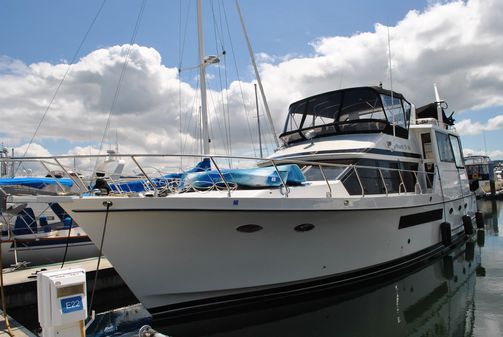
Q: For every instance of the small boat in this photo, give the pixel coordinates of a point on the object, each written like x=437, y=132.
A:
x=479, y=169
x=38, y=234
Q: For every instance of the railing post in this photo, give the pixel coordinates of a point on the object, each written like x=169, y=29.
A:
x=70, y=176
x=221, y=176
x=383, y=182
x=401, y=182
x=417, y=182
x=53, y=177
x=280, y=178
x=145, y=174
x=326, y=180
x=359, y=181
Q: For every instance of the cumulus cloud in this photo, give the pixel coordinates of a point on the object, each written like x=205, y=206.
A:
x=457, y=44
x=467, y=127
x=494, y=155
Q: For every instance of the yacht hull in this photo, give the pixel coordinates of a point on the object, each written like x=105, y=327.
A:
x=198, y=256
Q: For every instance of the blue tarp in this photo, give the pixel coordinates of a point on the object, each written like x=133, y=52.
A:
x=202, y=177
x=251, y=178
x=38, y=183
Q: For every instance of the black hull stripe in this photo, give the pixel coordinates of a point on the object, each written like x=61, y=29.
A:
x=362, y=150
x=334, y=281
x=111, y=210
x=420, y=218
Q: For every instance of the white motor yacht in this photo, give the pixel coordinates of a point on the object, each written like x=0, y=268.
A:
x=382, y=187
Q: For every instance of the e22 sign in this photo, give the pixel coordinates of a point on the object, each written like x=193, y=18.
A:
x=71, y=304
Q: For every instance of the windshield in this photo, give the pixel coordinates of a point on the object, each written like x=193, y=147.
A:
x=345, y=111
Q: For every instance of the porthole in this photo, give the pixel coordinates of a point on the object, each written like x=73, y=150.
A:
x=450, y=211
x=466, y=205
x=459, y=208
x=304, y=227
x=250, y=228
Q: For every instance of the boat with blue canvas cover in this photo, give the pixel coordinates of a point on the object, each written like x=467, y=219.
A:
x=38, y=234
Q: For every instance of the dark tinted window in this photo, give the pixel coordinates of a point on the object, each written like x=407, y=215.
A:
x=444, y=147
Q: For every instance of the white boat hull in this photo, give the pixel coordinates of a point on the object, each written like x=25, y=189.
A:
x=197, y=255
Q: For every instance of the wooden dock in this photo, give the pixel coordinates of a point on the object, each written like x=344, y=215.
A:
x=20, y=289
x=17, y=329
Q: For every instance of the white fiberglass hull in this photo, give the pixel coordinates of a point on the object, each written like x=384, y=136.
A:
x=172, y=251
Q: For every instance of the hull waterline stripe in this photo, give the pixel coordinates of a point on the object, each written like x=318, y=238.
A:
x=420, y=218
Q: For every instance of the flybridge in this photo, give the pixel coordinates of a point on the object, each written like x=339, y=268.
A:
x=352, y=110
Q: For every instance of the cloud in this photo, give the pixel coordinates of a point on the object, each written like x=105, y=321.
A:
x=494, y=155
x=457, y=44
x=469, y=128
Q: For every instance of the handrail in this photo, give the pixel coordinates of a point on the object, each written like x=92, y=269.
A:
x=53, y=177
x=326, y=180
x=281, y=178
x=145, y=174
x=383, y=182
x=221, y=176
x=359, y=180
x=405, y=176
x=71, y=177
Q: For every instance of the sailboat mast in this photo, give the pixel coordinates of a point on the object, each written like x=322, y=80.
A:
x=202, y=79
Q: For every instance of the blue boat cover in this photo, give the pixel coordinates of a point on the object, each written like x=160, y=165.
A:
x=248, y=178
x=38, y=183
x=202, y=177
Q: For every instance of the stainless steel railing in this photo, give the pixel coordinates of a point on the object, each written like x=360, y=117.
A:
x=419, y=178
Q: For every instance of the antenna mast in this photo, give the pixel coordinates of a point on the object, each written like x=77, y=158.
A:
x=391, y=82
x=438, y=101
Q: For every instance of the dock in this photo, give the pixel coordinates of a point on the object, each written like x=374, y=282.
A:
x=17, y=329
x=20, y=289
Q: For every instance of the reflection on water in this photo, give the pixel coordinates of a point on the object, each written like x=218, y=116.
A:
x=460, y=294
x=489, y=288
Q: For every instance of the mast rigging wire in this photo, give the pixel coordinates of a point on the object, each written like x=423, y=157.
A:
x=121, y=77
x=74, y=57
x=239, y=81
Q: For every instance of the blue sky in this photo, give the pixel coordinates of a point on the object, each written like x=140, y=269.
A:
x=283, y=33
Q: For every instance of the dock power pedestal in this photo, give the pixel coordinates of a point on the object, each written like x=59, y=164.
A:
x=62, y=303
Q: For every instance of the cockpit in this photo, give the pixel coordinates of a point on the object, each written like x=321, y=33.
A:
x=353, y=110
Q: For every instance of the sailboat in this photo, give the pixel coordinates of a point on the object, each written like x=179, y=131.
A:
x=383, y=188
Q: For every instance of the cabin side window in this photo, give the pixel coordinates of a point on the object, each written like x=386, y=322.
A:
x=456, y=147
x=295, y=115
x=444, y=147
x=380, y=177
